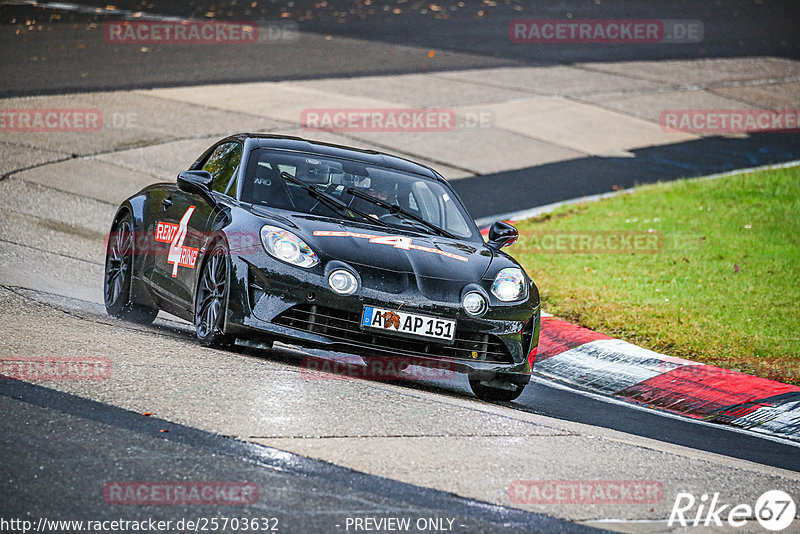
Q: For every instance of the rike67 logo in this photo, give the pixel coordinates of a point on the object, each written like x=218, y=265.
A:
x=774, y=510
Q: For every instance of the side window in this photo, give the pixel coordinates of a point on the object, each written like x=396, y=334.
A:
x=426, y=201
x=454, y=222
x=223, y=164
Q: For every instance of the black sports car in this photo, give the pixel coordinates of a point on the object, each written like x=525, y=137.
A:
x=280, y=238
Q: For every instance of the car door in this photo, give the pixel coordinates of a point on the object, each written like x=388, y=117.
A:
x=184, y=226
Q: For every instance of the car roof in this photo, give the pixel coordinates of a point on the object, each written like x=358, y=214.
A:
x=298, y=144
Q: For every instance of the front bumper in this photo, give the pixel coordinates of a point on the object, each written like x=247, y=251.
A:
x=286, y=303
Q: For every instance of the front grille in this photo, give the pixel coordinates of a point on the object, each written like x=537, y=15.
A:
x=345, y=326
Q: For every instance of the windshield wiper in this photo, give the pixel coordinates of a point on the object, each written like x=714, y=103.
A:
x=395, y=209
x=328, y=200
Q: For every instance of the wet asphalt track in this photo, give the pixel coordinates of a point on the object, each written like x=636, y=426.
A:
x=56, y=479
x=69, y=53
x=544, y=397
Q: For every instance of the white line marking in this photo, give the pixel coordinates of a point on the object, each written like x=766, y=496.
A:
x=608, y=365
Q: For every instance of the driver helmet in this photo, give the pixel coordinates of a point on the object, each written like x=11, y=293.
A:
x=382, y=190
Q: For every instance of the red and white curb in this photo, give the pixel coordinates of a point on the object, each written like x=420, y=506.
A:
x=588, y=360
x=595, y=362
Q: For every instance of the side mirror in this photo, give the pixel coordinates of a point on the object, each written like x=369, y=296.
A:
x=195, y=181
x=501, y=235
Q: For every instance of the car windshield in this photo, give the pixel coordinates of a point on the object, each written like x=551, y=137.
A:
x=393, y=197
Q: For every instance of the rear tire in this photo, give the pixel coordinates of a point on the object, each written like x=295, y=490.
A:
x=118, y=274
x=212, y=299
x=496, y=394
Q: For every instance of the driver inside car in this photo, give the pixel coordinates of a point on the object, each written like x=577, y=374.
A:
x=381, y=190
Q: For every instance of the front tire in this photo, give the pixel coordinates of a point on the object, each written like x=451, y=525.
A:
x=212, y=299
x=490, y=393
x=118, y=274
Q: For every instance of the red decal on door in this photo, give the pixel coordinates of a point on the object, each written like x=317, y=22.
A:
x=165, y=232
x=175, y=235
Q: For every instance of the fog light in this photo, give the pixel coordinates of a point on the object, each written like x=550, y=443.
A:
x=475, y=303
x=343, y=282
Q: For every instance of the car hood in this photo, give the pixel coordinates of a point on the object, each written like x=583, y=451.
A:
x=423, y=256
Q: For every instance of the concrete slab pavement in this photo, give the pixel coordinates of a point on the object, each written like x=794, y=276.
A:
x=53, y=240
x=22, y=265
x=579, y=127
x=16, y=156
x=160, y=161
x=771, y=96
x=536, y=115
x=85, y=215
x=91, y=178
x=478, y=150
x=704, y=72
x=276, y=100
x=127, y=119
x=555, y=81
x=648, y=106
x=423, y=90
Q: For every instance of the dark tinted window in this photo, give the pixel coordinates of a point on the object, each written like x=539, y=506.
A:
x=338, y=178
x=222, y=164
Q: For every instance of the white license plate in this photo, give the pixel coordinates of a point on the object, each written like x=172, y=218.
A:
x=410, y=324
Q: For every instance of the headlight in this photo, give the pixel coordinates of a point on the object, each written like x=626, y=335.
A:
x=509, y=284
x=475, y=303
x=286, y=246
x=343, y=282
